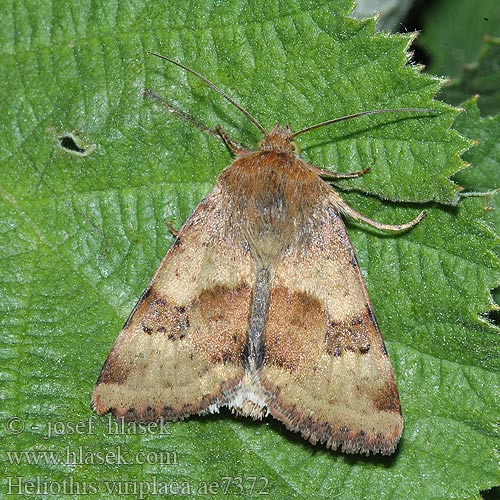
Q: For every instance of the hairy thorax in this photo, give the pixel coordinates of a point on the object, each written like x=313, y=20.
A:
x=273, y=198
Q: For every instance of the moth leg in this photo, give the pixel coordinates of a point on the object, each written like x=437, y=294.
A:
x=345, y=208
x=339, y=175
x=170, y=226
x=234, y=147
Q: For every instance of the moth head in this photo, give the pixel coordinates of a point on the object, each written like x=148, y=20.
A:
x=279, y=139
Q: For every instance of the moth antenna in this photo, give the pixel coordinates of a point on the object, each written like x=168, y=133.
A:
x=363, y=113
x=214, y=87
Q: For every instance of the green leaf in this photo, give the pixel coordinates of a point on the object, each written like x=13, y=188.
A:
x=454, y=33
x=390, y=13
x=91, y=173
x=481, y=77
x=484, y=157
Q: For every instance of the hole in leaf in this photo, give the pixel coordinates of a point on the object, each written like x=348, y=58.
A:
x=69, y=143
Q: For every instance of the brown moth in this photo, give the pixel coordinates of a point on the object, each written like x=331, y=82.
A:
x=260, y=306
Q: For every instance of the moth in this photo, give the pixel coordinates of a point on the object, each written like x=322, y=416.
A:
x=260, y=306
